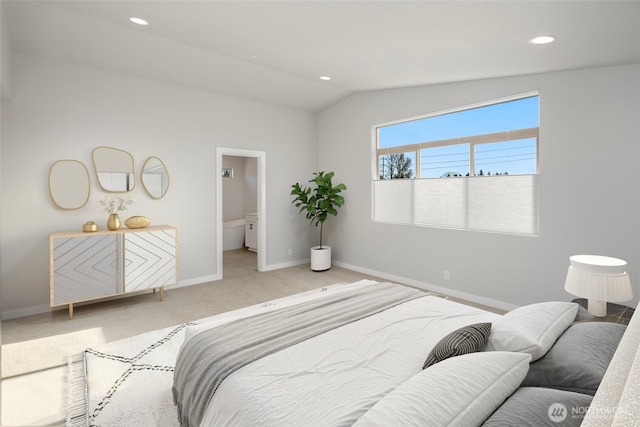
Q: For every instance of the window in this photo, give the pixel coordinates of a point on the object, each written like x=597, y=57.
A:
x=472, y=168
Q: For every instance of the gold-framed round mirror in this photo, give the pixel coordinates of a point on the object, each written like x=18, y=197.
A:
x=155, y=177
x=115, y=169
x=69, y=184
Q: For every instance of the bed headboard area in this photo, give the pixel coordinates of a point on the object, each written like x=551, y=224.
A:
x=616, y=401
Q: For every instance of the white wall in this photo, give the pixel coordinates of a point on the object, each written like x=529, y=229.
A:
x=589, y=153
x=233, y=189
x=250, y=184
x=63, y=111
x=588, y=156
x=240, y=193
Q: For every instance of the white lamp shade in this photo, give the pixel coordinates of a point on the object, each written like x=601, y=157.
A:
x=598, y=278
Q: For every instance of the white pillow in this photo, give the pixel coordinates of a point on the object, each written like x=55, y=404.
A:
x=532, y=329
x=459, y=391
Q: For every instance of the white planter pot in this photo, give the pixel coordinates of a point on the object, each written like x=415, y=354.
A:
x=320, y=258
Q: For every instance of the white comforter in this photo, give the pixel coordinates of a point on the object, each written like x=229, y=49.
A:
x=333, y=379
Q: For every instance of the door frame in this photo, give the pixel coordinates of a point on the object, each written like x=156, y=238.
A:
x=261, y=157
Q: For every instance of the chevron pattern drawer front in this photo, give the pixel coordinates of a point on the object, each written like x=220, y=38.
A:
x=84, y=268
x=91, y=266
x=149, y=259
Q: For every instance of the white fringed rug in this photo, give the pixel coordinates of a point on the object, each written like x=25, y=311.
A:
x=126, y=383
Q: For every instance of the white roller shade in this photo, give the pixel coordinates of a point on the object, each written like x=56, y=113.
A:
x=440, y=202
x=505, y=204
x=393, y=200
x=502, y=204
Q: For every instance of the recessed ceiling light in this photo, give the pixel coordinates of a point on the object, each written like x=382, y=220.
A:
x=138, y=21
x=325, y=78
x=542, y=40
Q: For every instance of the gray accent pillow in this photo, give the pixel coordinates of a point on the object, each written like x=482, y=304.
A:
x=583, y=315
x=467, y=339
x=578, y=360
x=539, y=406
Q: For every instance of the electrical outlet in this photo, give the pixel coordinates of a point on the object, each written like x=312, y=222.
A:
x=445, y=275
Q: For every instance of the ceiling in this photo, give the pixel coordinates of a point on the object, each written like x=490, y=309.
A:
x=276, y=51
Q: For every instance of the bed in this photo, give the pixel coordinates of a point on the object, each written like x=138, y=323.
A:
x=373, y=353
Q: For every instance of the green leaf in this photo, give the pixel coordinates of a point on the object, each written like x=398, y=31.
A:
x=320, y=200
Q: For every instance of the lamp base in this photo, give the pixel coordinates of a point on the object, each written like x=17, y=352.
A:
x=597, y=308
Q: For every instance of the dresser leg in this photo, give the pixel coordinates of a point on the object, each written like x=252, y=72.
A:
x=70, y=311
x=161, y=292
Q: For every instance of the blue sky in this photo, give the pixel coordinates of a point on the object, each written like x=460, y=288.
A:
x=513, y=157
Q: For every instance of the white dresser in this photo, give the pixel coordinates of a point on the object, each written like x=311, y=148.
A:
x=89, y=266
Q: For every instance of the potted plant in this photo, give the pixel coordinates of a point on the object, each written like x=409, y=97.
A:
x=318, y=202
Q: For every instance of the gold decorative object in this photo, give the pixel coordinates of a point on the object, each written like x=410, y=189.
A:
x=113, y=223
x=89, y=227
x=137, y=222
x=112, y=205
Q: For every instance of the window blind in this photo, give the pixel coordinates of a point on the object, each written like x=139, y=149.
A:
x=501, y=203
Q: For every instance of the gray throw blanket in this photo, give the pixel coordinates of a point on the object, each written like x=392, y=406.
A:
x=210, y=356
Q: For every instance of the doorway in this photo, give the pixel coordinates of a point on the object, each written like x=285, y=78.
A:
x=260, y=157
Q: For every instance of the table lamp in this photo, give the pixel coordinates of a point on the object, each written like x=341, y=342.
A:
x=598, y=279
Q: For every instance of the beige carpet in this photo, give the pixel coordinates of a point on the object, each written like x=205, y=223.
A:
x=43, y=341
x=35, y=348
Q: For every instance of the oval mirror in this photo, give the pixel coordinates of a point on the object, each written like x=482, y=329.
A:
x=155, y=177
x=114, y=169
x=69, y=184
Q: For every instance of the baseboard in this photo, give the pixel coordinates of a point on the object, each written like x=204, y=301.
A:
x=196, y=281
x=286, y=264
x=29, y=311
x=429, y=287
x=40, y=309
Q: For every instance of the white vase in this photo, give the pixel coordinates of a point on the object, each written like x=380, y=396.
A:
x=320, y=258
